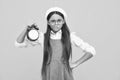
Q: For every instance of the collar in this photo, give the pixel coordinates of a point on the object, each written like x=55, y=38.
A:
x=56, y=35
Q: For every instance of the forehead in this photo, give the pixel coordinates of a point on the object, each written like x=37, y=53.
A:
x=55, y=16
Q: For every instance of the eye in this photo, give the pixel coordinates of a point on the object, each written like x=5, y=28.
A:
x=52, y=21
x=59, y=20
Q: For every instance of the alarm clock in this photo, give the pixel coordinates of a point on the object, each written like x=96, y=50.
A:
x=33, y=33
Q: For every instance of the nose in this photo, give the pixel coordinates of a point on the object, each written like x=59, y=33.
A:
x=56, y=22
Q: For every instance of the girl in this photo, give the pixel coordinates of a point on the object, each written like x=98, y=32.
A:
x=57, y=42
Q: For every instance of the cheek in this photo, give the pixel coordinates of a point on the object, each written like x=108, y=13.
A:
x=52, y=27
x=60, y=26
x=56, y=26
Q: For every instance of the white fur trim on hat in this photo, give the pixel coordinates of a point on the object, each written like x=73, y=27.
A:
x=55, y=9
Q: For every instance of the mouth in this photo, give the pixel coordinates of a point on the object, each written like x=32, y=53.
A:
x=57, y=26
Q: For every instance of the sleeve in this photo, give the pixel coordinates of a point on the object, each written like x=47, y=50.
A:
x=77, y=41
x=28, y=43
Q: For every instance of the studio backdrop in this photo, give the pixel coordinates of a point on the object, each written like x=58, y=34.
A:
x=95, y=21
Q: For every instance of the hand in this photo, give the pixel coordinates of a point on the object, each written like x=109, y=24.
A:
x=73, y=65
x=35, y=26
x=29, y=27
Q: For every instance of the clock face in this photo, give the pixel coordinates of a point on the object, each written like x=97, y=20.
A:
x=33, y=34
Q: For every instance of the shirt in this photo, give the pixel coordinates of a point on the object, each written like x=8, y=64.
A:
x=75, y=40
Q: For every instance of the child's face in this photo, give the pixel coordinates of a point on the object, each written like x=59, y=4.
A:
x=56, y=22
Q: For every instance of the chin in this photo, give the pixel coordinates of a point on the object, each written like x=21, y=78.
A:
x=56, y=30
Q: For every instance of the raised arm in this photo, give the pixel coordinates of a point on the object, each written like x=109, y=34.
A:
x=87, y=49
x=22, y=40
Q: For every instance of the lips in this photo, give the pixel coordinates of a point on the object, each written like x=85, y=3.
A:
x=57, y=26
